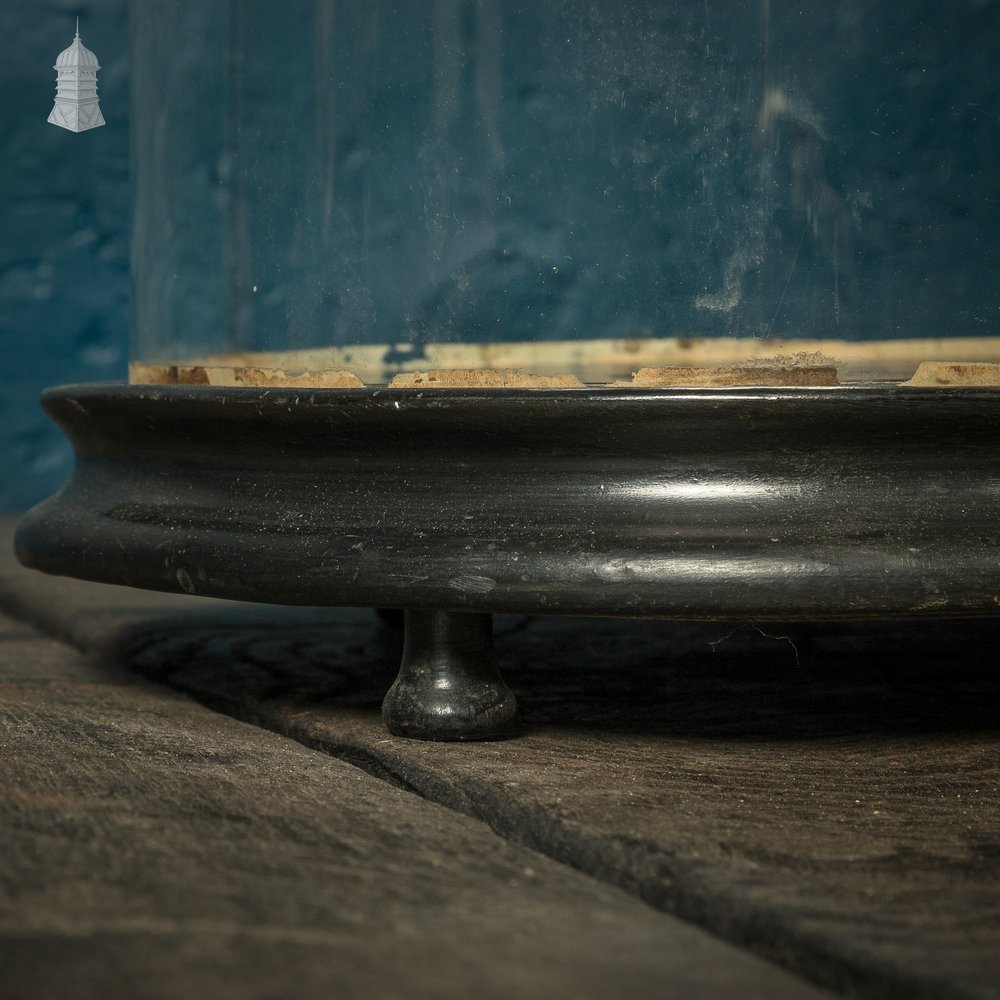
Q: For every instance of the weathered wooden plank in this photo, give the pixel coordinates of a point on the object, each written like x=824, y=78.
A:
x=847, y=825
x=832, y=803
x=153, y=848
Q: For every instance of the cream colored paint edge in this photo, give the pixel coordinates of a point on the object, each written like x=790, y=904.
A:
x=595, y=360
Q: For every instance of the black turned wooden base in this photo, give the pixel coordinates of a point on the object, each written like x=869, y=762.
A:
x=448, y=687
x=751, y=504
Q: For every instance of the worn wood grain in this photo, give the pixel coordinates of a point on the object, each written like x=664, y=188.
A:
x=847, y=826
x=827, y=796
x=153, y=848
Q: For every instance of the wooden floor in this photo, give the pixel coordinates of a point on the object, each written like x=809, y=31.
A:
x=197, y=799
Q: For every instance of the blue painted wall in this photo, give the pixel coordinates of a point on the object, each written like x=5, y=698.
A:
x=64, y=207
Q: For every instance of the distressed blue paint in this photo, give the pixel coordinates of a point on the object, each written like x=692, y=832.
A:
x=64, y=239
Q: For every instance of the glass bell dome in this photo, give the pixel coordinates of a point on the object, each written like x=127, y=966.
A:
x=535, y=194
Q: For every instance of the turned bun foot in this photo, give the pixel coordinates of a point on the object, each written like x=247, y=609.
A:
x=391, y=618
x=448, y=687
